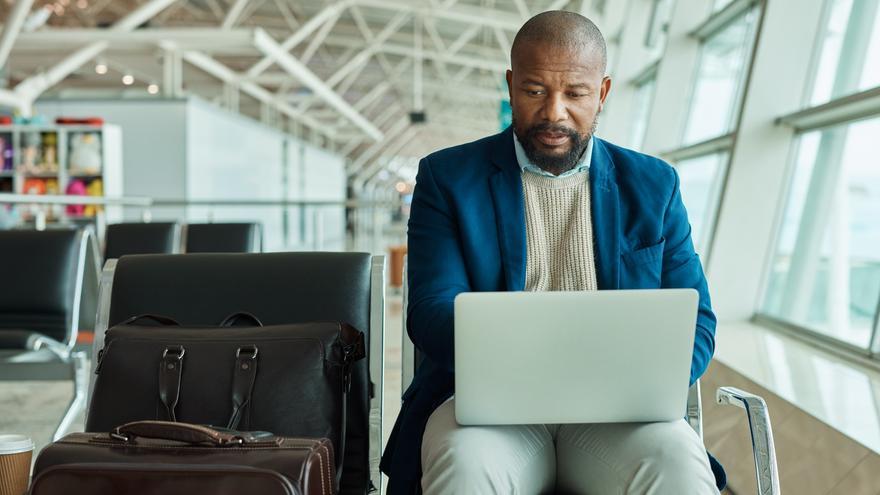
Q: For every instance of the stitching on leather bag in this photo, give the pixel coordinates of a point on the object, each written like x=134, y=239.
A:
x=321, y=463
x=329, y=471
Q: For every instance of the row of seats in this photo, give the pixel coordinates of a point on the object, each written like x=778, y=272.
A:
x=50, y=289
x=169, y=237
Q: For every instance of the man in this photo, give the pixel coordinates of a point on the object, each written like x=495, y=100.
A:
x=543, y=206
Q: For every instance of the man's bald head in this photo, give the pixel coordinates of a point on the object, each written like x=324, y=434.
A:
x=561, y=29
x=557, y=87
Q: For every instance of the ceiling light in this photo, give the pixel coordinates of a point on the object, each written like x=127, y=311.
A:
x=153, y=88
x=128, y=79
x=101, y=67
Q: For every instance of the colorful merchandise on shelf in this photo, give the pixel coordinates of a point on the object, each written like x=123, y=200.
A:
x=95, y=188
x=34, y=120
x=85, y=153
x=40, y=153
x=34, y=186
x=76, y=188
x=6, y=152
x=78, y=159
x=79, y=121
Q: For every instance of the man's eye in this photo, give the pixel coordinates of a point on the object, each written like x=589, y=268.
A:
x=534, y=92
x=577, y=95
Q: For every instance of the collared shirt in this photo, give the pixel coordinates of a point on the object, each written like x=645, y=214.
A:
x=526, y=165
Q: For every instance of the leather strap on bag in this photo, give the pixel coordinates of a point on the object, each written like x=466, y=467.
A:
x=188, y=433
x=243, y=377
x=170, y=371
x=233, y=319
x=161, y=320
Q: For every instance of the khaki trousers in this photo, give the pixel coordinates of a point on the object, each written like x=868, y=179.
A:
x=598, y=459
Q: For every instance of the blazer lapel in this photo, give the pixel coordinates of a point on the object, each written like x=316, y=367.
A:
x=507, y=195
x=605, y=211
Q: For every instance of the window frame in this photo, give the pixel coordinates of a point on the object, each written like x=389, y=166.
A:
x=815, y=119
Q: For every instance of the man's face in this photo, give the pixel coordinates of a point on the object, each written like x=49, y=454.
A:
x=556, y=95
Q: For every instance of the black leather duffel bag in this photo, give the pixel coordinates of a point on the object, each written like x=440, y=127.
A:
x=150, y=457
x=292, y=380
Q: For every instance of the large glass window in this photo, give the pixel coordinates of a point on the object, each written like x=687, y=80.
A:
x=825, y=274
x=658, y=26
x=720, y=77
x=720, y=4
x=644, y=97
x=701, y=179
x=849, y=55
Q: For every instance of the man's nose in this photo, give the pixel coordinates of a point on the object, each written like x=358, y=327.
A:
x=554, y=109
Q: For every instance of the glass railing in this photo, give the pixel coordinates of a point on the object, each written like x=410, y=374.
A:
x=292, y=225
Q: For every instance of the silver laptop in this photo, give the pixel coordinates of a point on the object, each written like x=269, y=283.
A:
x=573, y=357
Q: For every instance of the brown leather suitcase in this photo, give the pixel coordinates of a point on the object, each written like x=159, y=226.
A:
x=159, y=457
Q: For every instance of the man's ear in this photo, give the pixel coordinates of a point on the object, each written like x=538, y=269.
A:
x=509, y=77
x=604, y=89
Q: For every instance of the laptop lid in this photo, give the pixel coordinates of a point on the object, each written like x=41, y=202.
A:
x=573, y=357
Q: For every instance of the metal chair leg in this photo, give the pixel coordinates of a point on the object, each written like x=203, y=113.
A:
x=79, y=367
x=695, y=409
x=762, y=436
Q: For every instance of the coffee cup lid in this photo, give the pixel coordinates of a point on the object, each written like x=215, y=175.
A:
x=14, y=444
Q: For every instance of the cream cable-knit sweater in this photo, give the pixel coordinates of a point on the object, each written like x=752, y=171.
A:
x=559, y=233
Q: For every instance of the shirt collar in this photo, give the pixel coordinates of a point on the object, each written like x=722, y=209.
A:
x=526, y=165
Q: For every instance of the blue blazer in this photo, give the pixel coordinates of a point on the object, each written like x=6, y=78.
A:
x=467, y=233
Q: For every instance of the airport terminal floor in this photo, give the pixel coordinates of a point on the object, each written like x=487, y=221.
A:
x=439, y=246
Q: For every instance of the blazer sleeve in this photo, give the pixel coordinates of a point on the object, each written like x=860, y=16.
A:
x=682, y=269
x=435, y=269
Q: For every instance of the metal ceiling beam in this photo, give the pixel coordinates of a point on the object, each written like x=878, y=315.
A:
x=358, y=61
x=33, y=86
x=13, y=100
x=287, y=14
x=370, y=152
x=298, y=70
x=393, y=146
x=523, y=10
x=462, y=13
x=409, y=51
x=224, y=73
x=12, y=27
x=234, y=13
x=316, y=40
x=301, y=34
x=212, y=39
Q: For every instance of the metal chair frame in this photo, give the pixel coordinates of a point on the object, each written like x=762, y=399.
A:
x=49, y=359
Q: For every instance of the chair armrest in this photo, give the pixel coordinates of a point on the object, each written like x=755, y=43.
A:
x=38, y=342
x=761, y=433
x=24, y=340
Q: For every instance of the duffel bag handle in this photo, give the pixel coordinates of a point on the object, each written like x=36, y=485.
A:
x=162, y=320
x=234, y=318
x=179, y=432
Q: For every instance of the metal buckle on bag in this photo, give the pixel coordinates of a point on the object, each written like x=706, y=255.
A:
x=250, y=348
x=179, y=351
